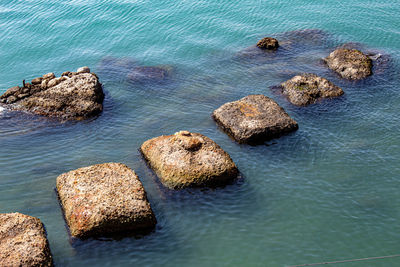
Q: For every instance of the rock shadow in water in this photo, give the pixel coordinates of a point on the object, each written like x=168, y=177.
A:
x=130, y=71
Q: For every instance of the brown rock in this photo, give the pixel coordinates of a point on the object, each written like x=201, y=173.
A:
x=49, y=76
x=65, y=73
x=351, y=64
x=268, y=43
x=12, y=99
x=83, y=70
x=23, y=241
x=253, y=119
x=77, y=97
x=12, y=91
x=104, y=199
x=305, y=89
x=188, y=160
x=37, y=81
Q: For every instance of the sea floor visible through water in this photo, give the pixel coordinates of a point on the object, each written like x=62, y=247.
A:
x=323, y=193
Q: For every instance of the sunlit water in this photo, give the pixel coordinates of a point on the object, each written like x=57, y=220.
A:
x=326, y=192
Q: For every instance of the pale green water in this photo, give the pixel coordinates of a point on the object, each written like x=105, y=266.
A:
x=326, y=192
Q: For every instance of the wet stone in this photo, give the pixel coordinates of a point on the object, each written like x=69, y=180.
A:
x=268, y=43
x=103, y=200
x=306, y=89
x=71, y=98
x=350, y=64
x=37, y=81
x=83, y=70
x=254, y=119
x=187, y=159
x=23, y=241
x=50, y=75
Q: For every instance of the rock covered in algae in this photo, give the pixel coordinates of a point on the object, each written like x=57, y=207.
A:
x=350, y=64
x=306, y=89
x=74, y=95
x=187, y=159
x=104, y=199
x=253, y=119
x=268, y=43
x=23, y=241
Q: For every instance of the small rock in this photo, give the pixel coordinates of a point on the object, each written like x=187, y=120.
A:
x=104, y=199
x=53, y=82
x=254, y=119
x=83, y=70
x=306, y=89
x=65, y=73
x=11, y=99
x=188, y=160
x=37, y=81
x=11, y=91
x=268, y=43
x=23, y=241
x=43, y=85
x=20, y=96
x=350, y=64
x=49, y=76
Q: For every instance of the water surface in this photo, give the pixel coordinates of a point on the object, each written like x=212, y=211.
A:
x=325, y=192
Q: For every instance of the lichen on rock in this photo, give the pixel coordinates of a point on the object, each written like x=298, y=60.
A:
x=187, y=159
x=23, y=241
x=254, y=119
x=104, y=199
x=308, y=88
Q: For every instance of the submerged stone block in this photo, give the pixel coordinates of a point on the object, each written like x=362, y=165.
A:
x=104, y=199
x=253, y=119
x=350, y=64
x=306, y=89
x=188, y=160
x=23, y=241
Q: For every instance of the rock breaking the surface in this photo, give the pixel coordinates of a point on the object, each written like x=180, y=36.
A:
x=74, y=95
x=104, y=199
x=306, y=89
x=254, y=119
x=350, y=64
x=23, y=241
x=187, y=159
x=268, y=43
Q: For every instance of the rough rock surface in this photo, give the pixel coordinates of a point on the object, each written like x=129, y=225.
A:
x=350, y=64
x=23, y=241
x=305, y=89
x=253, y=119
x=74, y=95
x=188, y=160
x=268, y=43
x=104, y=199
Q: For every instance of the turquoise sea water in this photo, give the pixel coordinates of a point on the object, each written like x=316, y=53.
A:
x=326, y=192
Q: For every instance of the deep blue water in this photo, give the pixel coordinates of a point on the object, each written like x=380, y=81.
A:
x=326, y=192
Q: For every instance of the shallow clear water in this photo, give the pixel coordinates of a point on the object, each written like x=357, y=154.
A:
x=325, y=192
